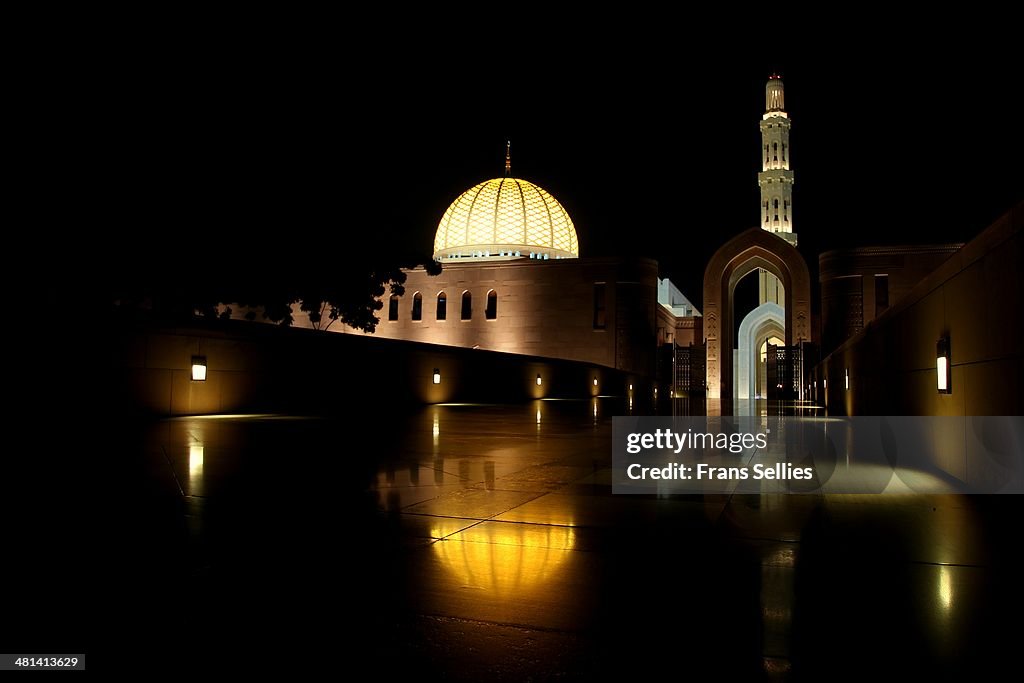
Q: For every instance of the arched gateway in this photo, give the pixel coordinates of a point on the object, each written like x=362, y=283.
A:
x=752, y=249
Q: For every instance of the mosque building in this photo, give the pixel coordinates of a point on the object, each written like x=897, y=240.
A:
x=513, y=280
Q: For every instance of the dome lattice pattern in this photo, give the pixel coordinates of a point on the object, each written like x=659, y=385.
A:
x=505, y=216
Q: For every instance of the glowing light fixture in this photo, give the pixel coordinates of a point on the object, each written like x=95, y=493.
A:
x=198, y=368
x=631, y=387
x=846, y=378
x=538, y=379
x=595, y=381
x=437, y=376
x=942, y=366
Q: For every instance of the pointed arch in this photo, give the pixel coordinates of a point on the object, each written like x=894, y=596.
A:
x=748, y=251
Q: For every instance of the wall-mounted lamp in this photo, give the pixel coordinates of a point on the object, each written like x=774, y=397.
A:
x=942, y=366
x=437, y=376
x=631, y=387
x=198, y=368
x=538, y=380
x=595, y=381
x=846, y=378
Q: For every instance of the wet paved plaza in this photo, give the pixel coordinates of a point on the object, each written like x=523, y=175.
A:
x=468, y=542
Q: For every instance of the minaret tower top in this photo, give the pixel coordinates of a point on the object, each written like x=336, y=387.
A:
x=775, y=95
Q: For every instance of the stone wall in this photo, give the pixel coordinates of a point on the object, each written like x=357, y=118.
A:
x=975, y=298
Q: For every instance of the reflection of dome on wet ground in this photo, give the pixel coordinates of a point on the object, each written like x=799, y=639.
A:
x=504, y=558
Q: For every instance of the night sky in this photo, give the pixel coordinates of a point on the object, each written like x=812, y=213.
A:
x=207, y=151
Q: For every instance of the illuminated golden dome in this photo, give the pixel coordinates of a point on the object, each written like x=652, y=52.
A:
x=502, y=218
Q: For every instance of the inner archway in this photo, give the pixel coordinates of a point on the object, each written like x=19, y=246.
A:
x=765, y=323
x=748, y=251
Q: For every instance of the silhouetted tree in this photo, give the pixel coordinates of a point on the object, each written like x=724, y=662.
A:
x=350, y=293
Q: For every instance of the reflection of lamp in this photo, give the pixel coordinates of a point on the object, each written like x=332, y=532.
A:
x=945, y=587
x=198, y=368
x=942, y=366
x=538, y=379
x=195, y=460
x=195, y=469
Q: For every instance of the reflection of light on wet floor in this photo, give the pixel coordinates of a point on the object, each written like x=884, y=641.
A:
x=873, y=478
x=946, y=587
x=245, y=417
x=195, y=469
x=504, y=558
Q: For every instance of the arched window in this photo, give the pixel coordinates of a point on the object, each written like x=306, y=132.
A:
x=393, y=307
x=775, y=151
x=442, y=306
x=783, y=151
x=491, y=312
x=467, y=305
x=776, y=209
x=417, y=306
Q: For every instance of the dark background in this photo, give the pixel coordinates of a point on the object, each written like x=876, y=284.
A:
x=252, y=154
x=158, y=148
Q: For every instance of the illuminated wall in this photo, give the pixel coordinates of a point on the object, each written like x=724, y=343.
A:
x=266, y=368
x=858, y=285
x=975, y=299
x=543, y=308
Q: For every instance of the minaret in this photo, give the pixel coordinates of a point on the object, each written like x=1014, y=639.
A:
x=775, y=181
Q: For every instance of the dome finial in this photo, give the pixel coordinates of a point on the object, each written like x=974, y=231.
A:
x=508, y=157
